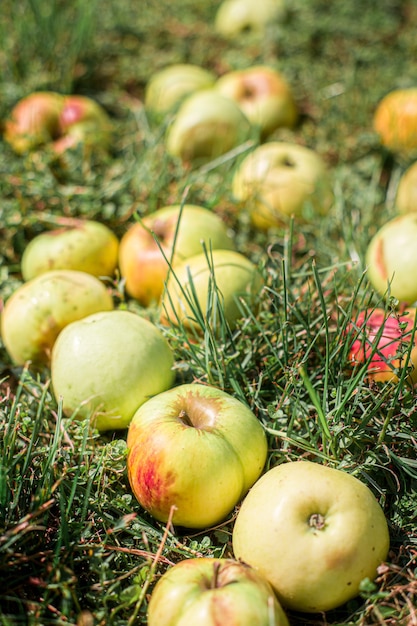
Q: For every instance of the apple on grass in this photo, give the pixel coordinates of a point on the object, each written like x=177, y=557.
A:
x=211, y=591
x=279, y=180
x=406, y=196
x=195, y=448
x=313, y=532
x=108, y=364
x=38, y=310
x=78, y=244
x=234, y=18
x=166, y=236
x=395, y=121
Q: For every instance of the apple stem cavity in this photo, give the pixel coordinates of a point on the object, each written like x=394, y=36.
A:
x=317, y=521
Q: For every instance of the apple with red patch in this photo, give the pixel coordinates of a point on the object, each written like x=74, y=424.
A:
x=395, y=121
x=83, y=121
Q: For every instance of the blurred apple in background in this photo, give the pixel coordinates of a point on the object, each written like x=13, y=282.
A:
x=196, y=448
x=170, y=85
x=169, y=235
x=395, y=121
x=211, y=591
x=278, y=180
x=313, y=532
x=406, y=198
x=77, y=244
x=209, y=288
x=38, y=310
x=391, y=259
x=234, y=18
x=264, y=96
x=106, y=365
x=206, y=126
x=83, y=121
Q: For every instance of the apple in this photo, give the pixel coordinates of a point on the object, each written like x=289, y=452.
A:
x=236, y=17
x=108, y=364
x=196, y=448
x=382, y=340
x=169, y=235
x=264, y=96
x=406, y=197
x=313, y=532
x=279, y=180
x=170, y=85
x=83, y=121
x=212, y=591
x=395, y=120
x=209, y=286
x=77, y=244
x=391, y=257
x=206, y=126
x=38, y=310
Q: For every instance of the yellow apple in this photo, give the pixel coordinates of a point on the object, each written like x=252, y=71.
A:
x=406, y=198
x=236, y=17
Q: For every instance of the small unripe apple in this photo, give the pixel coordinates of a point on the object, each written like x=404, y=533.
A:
x=236, y=17
x=395, y=120
x=406, y=198
x=78, y=244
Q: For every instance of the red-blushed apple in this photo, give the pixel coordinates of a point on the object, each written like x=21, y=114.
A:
x=77, y=244
x=209, y=288
x=108, y=364
x=38, y=310
x=406, y=196
x=313, y=532
x=391, y=257
x=167, y=236
x=386, y=341
x=195, y=448
x=206, y=126
x=234, y=18
x=395, y=121
x=264, y=96
x=84, y=121
x=211, y=591
x=279, y=180
x=170, y=85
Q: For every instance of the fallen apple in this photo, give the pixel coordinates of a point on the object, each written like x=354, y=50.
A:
x=395, y=120
x=391, y=257
x=170, y=85
x=406, y=197
x=209, y=288
x=83, y=121
x=77, y=244
x=213, y=591
x=38, y=310
x=196, y=448
x=206, y=126
x=166, y=236
x=279, y=180
x=313, y=532
x=108, y=364
x=264, y=96
x=234, y=18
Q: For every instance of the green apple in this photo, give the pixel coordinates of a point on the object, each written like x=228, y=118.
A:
x=169, y=235
x=395, y=121
x=203, y=284
x=195, y=448
x=279, y=180
x=313, y=532
x=206, y=126
x=170, y=85
x=236, y=17
x=84, y=121
x=108, y=364
x=391, y=257
x=212, y=591
x=264, y=96
x=406, y=197
x=77, y=244
x=38, y=310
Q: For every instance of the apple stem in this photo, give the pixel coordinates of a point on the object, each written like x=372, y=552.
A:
x=317, y=521
x=185, y=418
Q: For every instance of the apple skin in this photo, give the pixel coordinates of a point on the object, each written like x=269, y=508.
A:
x=406, y=197
x=84, y=245
x=190, y=285
x=83, y=121
x=313, y=532
x=278, y=180
x=108, y=364
x=392, y=334
x=211, y=591
x=264, y=96
x=38, y=310
x=235, y=17
x=206, y=126
x=391, y=257
x=170, y=85
x=197, y=448
x=172, y=233
x=395, y=121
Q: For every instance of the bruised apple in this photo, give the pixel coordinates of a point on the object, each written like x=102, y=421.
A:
x=195, y=448
x=77, y=244
x=212, y=591
x=166, y=236
x=395, y=121
x=38, y=310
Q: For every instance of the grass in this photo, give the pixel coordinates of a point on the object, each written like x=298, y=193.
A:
x=75, y=548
